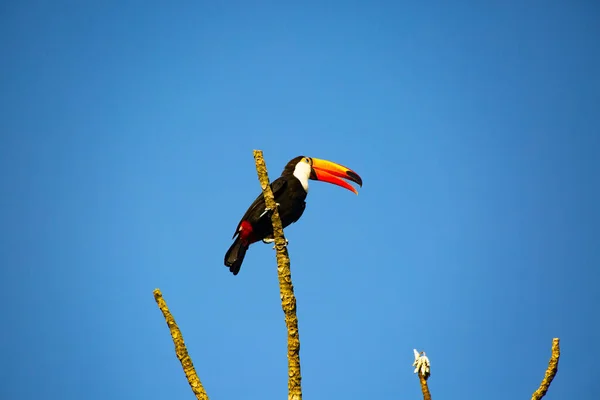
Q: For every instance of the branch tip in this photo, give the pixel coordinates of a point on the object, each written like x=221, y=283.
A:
x=550, y=371
x=180, y=349
x=423, y=371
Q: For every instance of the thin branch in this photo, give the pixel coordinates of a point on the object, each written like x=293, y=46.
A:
x=286, y=289
x=424, y=387
x=180, y=349
x=550, y=372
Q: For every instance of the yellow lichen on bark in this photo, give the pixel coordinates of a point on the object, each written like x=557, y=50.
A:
x=550, y=371
x=180, y=349
x=286, y=289
x=424, y=387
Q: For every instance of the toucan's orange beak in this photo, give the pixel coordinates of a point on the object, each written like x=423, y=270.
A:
x=327, y=171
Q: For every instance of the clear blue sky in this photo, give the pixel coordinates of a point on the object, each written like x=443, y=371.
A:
x=126, y=158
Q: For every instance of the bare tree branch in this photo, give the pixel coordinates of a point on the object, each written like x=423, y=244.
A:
x=180, y=349
x=286, y=289
x=550, y=371
x=424, y=387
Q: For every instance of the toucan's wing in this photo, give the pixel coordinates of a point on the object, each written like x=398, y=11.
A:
x=258, y=206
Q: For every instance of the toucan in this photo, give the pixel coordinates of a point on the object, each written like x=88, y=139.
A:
x=290, y=191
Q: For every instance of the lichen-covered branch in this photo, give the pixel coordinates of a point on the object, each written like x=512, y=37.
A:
x=550, y=371
x=180, y=349
x=288, y=300
x=424, y=387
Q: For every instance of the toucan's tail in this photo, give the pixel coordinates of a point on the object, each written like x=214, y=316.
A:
x=235, y=256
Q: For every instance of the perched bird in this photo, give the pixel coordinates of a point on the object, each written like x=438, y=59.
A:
x=290, y=191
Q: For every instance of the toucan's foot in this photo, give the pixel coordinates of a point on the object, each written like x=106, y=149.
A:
x=268, y=212
x=285, y=245
x=272, y=240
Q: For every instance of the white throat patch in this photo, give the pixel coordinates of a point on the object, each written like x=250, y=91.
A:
x=302, y=172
